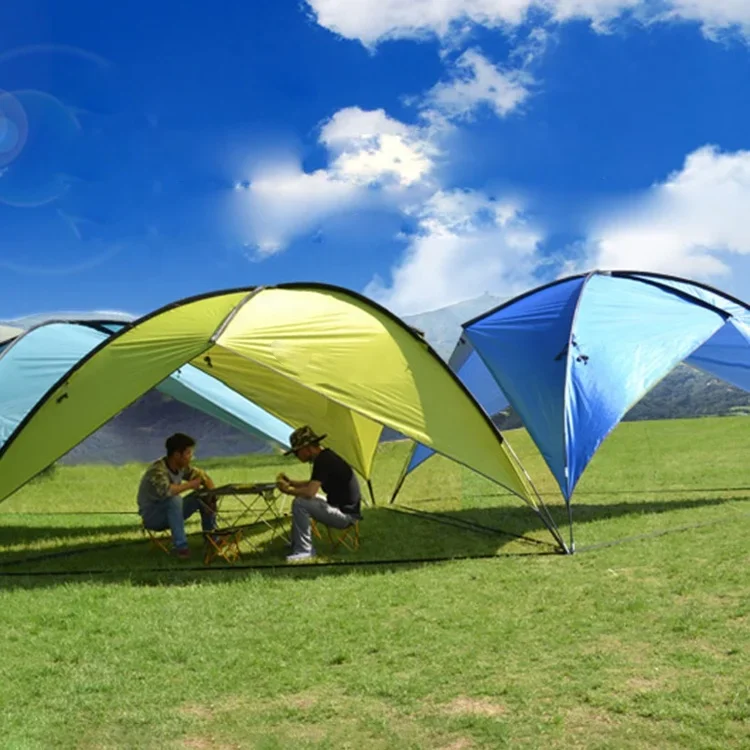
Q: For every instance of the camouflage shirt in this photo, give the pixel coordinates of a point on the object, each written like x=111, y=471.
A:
x=154, y=486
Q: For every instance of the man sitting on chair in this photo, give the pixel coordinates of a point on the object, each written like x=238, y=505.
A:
x=341, y=507
x=160, y=504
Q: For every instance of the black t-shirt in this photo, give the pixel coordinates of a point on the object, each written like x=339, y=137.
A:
x=338, y=481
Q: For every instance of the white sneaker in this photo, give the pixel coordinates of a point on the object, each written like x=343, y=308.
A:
x=300, y=556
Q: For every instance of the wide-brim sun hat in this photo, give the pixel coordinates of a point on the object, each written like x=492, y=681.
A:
x=302, y=437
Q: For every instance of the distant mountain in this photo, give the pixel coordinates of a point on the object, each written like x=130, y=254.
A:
x=442, y=327
x=138, y=432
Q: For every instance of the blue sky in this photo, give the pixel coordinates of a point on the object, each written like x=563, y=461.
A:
x=420, y=153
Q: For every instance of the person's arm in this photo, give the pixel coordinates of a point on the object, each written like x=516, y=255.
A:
x=294, y=482
x=202, y=477
x=177, y=489
x=308, y=488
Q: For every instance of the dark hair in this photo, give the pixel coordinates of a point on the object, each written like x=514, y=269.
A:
x=178, y=443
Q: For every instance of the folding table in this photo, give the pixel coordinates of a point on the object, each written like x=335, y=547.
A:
x=257, y=504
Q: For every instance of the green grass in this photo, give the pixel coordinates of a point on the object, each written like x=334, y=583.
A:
x=638, y=644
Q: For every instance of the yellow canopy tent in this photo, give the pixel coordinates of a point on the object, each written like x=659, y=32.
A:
x=307, y=353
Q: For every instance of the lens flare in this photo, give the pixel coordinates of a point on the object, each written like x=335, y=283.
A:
x=13, y=128
x=38, y=149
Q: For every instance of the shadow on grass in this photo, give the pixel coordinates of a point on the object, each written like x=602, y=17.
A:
x=392, y=539
x=524, y=522
x=13, y=535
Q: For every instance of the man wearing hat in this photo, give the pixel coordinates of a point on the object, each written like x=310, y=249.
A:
x=330, y=473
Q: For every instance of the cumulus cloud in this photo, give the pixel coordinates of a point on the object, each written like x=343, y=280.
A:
x=370, y=147
x=691, y=224
x=466, y=243
x=284, y=201
x=372, y=160
x=375, y=21
x=476, y=82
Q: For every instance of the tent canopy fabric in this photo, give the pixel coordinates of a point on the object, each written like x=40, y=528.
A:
x=471, y=371
x=39, y=357
x=304, y=353
x=575, y=355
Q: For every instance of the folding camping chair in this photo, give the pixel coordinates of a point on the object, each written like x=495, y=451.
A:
x=348, y=537
x=223, y=543
x=158, y=539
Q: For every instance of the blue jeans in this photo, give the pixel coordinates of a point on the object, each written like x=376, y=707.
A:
x=171, y=513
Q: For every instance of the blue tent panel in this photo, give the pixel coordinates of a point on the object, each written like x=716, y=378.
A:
x=726, y=354
x=525, y=346
x=628, y=336
x=419, y=455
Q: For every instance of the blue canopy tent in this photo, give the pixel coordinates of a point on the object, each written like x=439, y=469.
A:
x=575, y=355
x=32, y=361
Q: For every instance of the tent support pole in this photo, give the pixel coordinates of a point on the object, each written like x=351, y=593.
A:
x=570, y=524
x=397, y=489
x=540, y=509
x=372, y=492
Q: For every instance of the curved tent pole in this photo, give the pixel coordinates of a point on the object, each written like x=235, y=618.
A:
x=644, y=275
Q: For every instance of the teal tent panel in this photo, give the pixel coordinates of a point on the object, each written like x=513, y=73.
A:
x=36, y=361
x=33, y=363
x=209, y=395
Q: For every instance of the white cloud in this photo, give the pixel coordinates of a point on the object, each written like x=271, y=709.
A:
x=371, y=147
x=372, y=159
x=690, y=225
x=284, y=202
x=374, y=21
x=466, y=244
x=476, y=82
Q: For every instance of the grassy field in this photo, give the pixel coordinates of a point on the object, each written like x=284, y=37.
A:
x=640, y=640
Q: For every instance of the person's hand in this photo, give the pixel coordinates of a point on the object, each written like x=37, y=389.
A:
x=195, y=484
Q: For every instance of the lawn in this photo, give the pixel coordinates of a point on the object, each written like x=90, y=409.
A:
x=454, y=626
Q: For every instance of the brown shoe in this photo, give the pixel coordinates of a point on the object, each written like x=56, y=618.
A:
x=183, y=554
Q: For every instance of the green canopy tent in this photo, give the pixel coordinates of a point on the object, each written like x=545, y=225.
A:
x=306, y=353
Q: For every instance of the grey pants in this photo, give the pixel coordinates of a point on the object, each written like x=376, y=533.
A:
x=320, y=510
